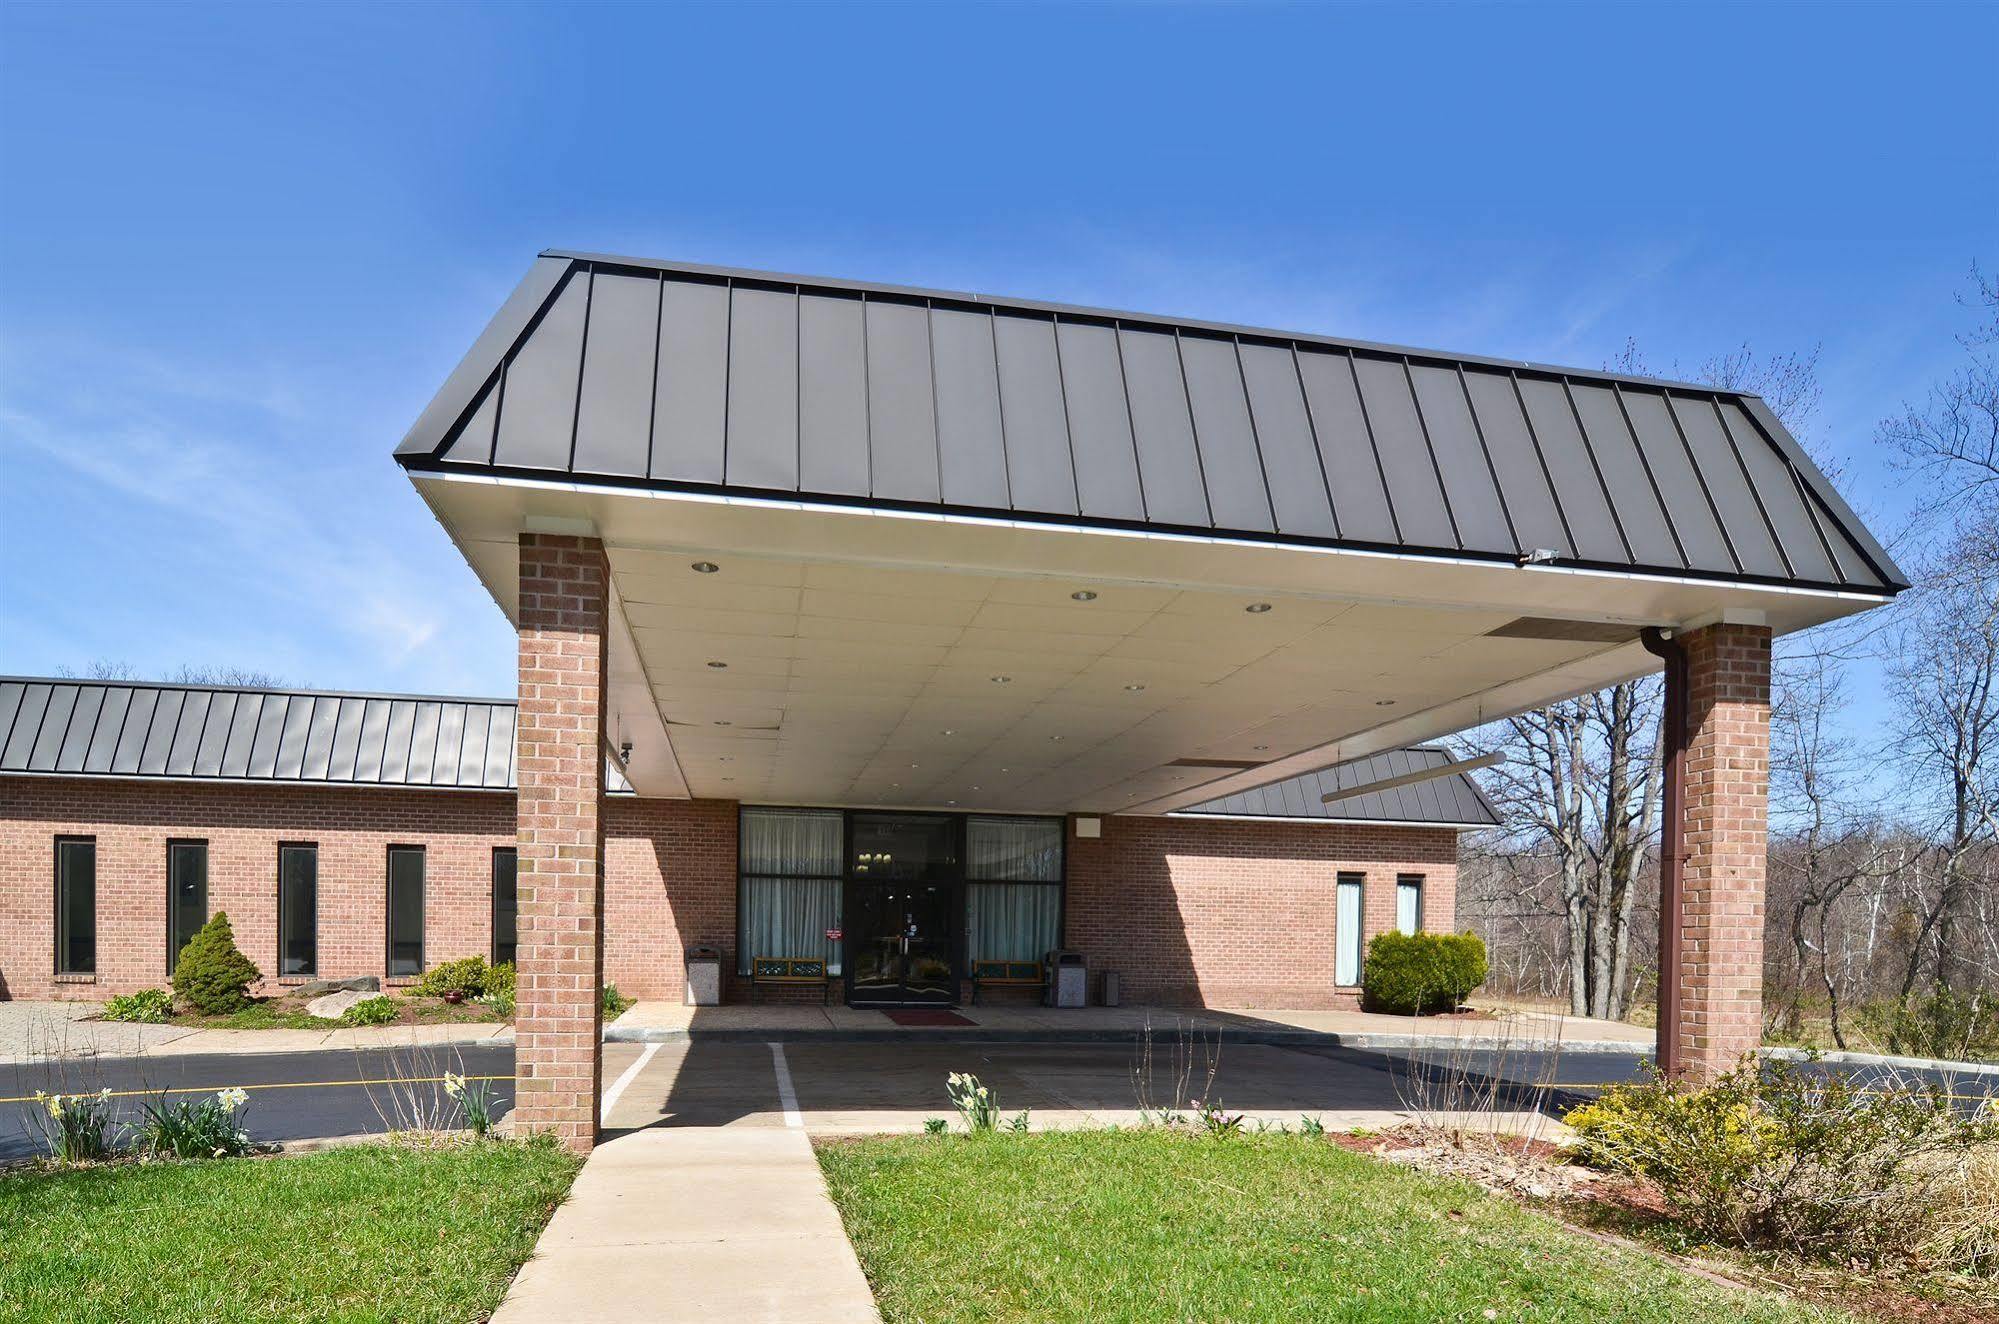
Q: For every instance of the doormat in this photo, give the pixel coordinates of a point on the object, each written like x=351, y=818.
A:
x=927, y=1016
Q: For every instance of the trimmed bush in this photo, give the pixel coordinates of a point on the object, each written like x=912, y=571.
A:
x=467, y=976
x=1416, y=974
x=212, y=976
x=378, y=1010
x=149, y=1006
x=499, y=993
x=615, y=1003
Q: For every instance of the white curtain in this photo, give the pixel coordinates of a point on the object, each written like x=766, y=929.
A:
x=1347, y=935
x=788, y=917
x=1408, y=904
x=1013, y=850
x=796, y=842
x=790, y=867
x=1013, y=921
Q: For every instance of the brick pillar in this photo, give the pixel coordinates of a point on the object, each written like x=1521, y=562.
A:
x=558, y=1052
x=1726, y=818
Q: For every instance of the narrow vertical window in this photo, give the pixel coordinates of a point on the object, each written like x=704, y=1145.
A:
x=76, y=906
x=506, y=905
x=187, y=895
x=298, y=910
x=405, y=910
x=1347, y=931
x=1409, y=902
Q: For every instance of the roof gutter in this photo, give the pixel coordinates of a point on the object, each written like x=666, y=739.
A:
x=1672, y=841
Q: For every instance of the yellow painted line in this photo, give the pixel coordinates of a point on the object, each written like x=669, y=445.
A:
x=1604, y=1085
x=271, y=1085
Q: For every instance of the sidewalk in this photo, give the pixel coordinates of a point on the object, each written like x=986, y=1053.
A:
x=694, y=1224
x=35, y=1031
x=670, y=1022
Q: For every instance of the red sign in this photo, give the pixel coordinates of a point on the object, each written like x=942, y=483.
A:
x=834, y=935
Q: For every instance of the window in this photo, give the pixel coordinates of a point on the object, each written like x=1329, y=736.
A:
x=298, y=910
x=187, y=895
x=1013, y=888
x=1409, y=902
x=76, y=906
x=405, y=910
x=788, y=888
x=1347, y=934
x=506, y=904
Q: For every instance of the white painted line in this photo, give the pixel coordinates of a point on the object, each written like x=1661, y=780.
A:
x=787, y=1097
x=630, y=1074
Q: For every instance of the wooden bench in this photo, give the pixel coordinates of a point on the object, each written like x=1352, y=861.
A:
x=1006, y=974
x=784, y=971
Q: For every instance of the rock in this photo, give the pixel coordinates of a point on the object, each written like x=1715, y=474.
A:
x=334, y=1005
x=318, y=988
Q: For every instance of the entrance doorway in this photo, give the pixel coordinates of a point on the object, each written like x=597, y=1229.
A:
x=903, y=913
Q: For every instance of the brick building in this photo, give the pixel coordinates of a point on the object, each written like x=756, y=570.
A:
x=376, y=834
x=916, y=575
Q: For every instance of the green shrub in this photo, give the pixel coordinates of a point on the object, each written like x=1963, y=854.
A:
x=378, y=1010
x=1414, y=974
x=500, y=988
x=615, y=1003
x=149, y=1006
x=212, y=976
x=1791, y=1157
x=467, y=977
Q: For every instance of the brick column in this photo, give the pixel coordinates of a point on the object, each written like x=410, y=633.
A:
x=1726, y=818
x=558, y=1052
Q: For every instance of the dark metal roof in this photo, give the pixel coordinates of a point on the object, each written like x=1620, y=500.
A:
x=133, y=729
x=1452, y=799
x=663, y=375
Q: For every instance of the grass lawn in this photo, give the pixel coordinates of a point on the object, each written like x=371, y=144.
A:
x=366, y=1233
x=1155, y=1226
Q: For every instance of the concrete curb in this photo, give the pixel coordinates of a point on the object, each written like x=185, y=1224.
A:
x=1883, y=1060
x=614, y=1034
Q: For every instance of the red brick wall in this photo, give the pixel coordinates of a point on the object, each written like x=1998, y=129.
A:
x=1238, y=913
x=1722, y=881
x=671, y=875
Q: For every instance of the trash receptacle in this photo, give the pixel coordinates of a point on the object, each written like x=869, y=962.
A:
x=703, y=986
x=1111, y=988
x=1067, y=977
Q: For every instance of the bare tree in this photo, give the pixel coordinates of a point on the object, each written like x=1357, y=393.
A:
x=227, y=677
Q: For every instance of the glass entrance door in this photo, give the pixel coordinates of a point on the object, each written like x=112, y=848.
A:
x=900, y=943
x=902, y=910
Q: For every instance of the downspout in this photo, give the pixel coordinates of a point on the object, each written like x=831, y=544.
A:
x=1672, y=842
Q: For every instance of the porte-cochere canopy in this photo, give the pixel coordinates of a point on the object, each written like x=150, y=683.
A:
x=878, y=545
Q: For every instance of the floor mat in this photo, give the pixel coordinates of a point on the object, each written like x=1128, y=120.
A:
x=927, y=1016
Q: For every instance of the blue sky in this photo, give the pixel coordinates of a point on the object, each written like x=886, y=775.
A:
x=240, y=247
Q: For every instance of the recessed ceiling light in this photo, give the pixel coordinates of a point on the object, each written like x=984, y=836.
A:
x=1006, y=769
x=705, y=567
x=724, y=722
x=728, y=779
x=731, y=758
x=719, y=666
x=1384, y=703
x=1257, y=608
x=1055, y=737
x=947, y=731
x=1084, y=595
x=1002, y=680
x=1259, y=747
x=1134, y=688
x=950, y=802
x=914, y=765
x=975, y=788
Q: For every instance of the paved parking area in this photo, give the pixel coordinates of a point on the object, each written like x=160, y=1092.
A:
x=850, y=1088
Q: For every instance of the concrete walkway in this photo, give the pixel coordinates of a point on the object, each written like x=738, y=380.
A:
x=670, y=1022
x=40, y=1031
x=695, y=1224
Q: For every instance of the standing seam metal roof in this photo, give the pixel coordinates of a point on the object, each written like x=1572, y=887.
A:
x=1451, y=798
x=141, y=729
x=663, y=375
